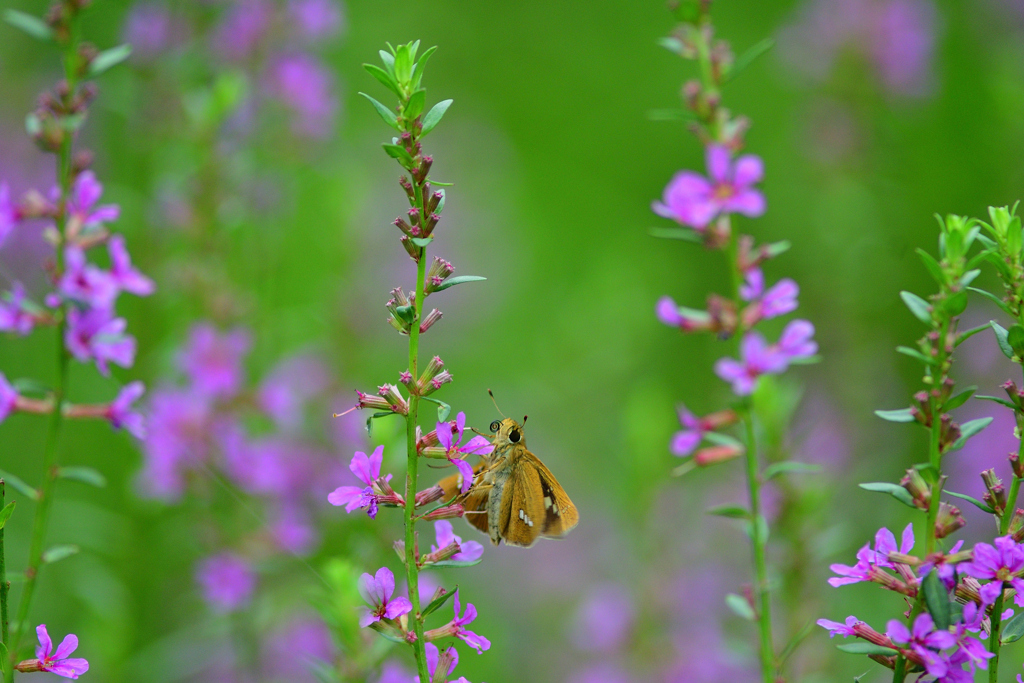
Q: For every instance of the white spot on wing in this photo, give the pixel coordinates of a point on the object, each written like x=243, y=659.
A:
x=547, y=501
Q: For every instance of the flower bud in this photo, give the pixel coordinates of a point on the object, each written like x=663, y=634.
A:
x=441, y=554
x=410, y=248
x=1016, y=528
x=440, y=270
x=396, y=402
x=446, y=512
x=407, y=186
x=918, y=488
x=1016, y=466
x=428, y=496
x=434, y=201
x=996, y=496
x=424, y=168
x=430, y=319
x=443, y=377
x=948, y=521
x=712, y=455
x=369, y=401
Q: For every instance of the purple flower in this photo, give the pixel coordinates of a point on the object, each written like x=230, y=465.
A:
x=293, y=531
x=316, y=19
x=686, y=319
x=434, y=657
x=885, y=543
x=177, y=439
x=85, y=192
x=756, y=359
x=693, y=200
x=97, y=335
x=604, y=620
x=753, y=285
x=367, y=470
x=477, y=642
x=779, y=300
x=148, y=30
x=243, y=28
x=306, y=87
x=290, y=649
x=227, y=582
x=924, y=639
x=947, y=572
x=470, y=551
x=286, y=389
x=855, y=574
x=213, y=361
x=58, y=662
x=478, y=445
x=377, y=591
x=972, y=648
x=86, y=282
x=997, y=563
x=126, y=277
x=9, y=215
x=13, y=316
x=837, y=629
x=393, y=672
x=120, y=413
x=8, y=398
x=688, y=438
x=796, y=341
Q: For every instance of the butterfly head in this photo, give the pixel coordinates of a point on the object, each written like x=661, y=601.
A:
x=508, y=432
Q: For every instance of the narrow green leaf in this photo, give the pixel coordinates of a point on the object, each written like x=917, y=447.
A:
x=748, y=57
x=996, y=399
x=422, y=241
x=789, y=467
x=434, y=116
x=33, y=387
x=5, y=514
x=414, y=107
x=443, y=409
x=19, y=485
x=440, y=205
x=934, y=269
x=902, y=415
x=866, y=649
x=956, y=304
x=915, y=354
x=795, y=641
x=1015, y=338
x=389, y=116
x=894, y=490
x=970, y=499
x=762, y=529
x=34, y=26
x=1013, y=629
x=928, y=471
x=720, y=439
x=967, y=334
x=969, y=277
x=458, y=280
x=936, y=597
x=993, y=298
x=1001, y=333
x=454, y=563
x=109, y=58
x=439, y=602
x=418, y=68
x=921, y=309
x=685, y=234
x=388, y=58
x=958, y=400
x=780, y=247
x=740, y=606
x=969, y=429
x=388, y=631
x=384, y=77
x=86, y=475
x=681, y=470
x=59, y=552
x=730, y=511
x=400, y=153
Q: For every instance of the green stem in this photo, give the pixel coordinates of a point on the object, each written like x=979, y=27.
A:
x=993, y=639
x=411, y=569
x=761, y=595
x=4, y=586
x=1011, y=504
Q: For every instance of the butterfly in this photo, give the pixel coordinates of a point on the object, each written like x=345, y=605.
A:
x=514, y=497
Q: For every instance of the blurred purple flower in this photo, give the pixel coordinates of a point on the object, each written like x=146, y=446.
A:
x=780, y=299
x=393, y=672
x=213, y=361
x=924, y=639
x=377, y=591
x=434, y=657
x=58, y=662
x=304, y=85
x=8, y=397
x=97, y=335
x=9, y=214
x=603, y=621
x=756, y=359
x=837, y=629
x=445, y=535
x=177, y=439
x=796, y=342
x=82, y=209
x=243, y=28
x=293, y=531
x=998, y=563
x=290, y=649
x=688, y=438
x=125, y=277
x=367, y=470
x=13, y=316
x=947, y=572
x=316, y=19
x=85, y=282
x=288, y=386
x=603, y=672
x=691, y=199
x=227, y=582
x=121, y=415
x=475, y=641
x=149, y=29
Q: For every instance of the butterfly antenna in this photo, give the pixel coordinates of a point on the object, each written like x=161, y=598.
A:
x=491, y=394
x=524, y=419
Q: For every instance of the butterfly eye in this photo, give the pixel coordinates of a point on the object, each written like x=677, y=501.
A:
x=495, y=426
x=513, y=436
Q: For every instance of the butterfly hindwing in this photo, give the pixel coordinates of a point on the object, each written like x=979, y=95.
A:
x=475, y=501
x=526, y=510
x=560, y=515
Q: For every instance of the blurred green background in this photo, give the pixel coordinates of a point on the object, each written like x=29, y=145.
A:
x=555, y=163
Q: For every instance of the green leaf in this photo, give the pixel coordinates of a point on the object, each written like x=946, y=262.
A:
x=422, y=241
x=928, y=471
x=34, y=26
x=1013, y=629
x=400, y=153
x=109, y=58
x=789, y=467
x=5, y=661
x=414, y=107
x=894, y=490
x=970, y=499
x=969, y=277
x=458, y=280
x=685, y=234
x=996, y=399
x=776, y=248
x=740, y=606
x=915, y=354
x=403, y=64
x=389, y=116
x=86, y=475
x=5, y=514
x=443, y=409
x=993, y=298
x=454, y=563
x=26, y=385
x=384, y=77
x=440, y=207
x=762, y=529
x=866, y=649
x=936, y=597
x=388, y=58
x=439, y=602
x=406, y=313
x=19, y=485
x=967, y=334
x=680, y=470
x=59, y=552
x=434, y=116
x=1015, y=338
x=956, y=304
x=958, y=400
x=1001, y=333
x=418, y=67
x=730, y=511
x=918, y=306
x=720, y=439
x=748, y=57
x=969, y=429
x=934, y=269
x=902, y=415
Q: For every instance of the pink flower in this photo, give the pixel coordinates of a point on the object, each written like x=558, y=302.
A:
x=85, y=282
x=796, y=342
x=998, y=563
x=477, y=642
x=685, y=440
x=377, y=591
x=213, y=361
x=13, y=316
x=9, y=214
x=8, y=398
x=686, y=319
x=837, y=629
x=85, y=192
x=925, y=640
x=780, y=299
x=693, y=200
x=97, y=335
x=58, y=662
x=434, y=657
x=120, y=414
x=126, y=277
x=756, y=359
x=470, y=551
x=367, y=470
x=227, y=581
x=306, y=87
x=478, y=445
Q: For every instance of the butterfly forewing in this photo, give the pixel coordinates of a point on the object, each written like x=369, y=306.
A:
x=560, y=515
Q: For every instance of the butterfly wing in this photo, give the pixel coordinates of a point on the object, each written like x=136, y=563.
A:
x=560, y=515
x=522, y=512
x=475, y=502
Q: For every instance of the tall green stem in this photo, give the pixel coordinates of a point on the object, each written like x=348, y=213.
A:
x=4, y=586
x=757, y=540
x=994, y=639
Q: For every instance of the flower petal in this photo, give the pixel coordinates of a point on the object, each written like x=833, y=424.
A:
x=45, y=644
x=749, y=169
x=397, y=607
x=386, y=582
x=66, y=647
x=718, y=158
